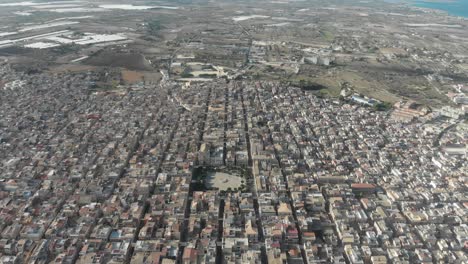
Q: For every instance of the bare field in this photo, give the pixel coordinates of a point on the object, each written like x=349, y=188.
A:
x=132, y=76
x=71, y=68
x=131, y=61
x=371, y=88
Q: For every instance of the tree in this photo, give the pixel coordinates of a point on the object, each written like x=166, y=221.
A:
x=154, y=26
x=384, y=106
x=302, y=83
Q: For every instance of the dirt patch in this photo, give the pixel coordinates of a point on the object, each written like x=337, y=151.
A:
x=71, y=68
x=393, y=51
x=132, y=76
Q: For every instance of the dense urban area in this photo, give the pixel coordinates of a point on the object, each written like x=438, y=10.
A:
x=263, y=136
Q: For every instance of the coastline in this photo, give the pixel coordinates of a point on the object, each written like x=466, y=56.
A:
x=455, y=8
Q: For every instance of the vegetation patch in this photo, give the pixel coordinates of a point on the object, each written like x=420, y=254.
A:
x=154, y=27
x=309, y=86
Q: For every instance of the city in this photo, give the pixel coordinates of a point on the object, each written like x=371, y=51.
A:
x=192, y=162
x=93, y=180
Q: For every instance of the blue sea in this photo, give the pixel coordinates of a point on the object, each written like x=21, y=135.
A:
x=453, y=7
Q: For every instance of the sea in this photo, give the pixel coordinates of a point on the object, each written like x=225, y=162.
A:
x=452, y=7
